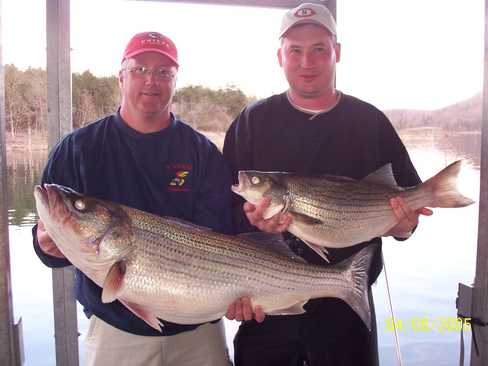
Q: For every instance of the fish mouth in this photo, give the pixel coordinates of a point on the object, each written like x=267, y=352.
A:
x=243, y=183
x=41, y=194
x=237, y=188
x=50, y=196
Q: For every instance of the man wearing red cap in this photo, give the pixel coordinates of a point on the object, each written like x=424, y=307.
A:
x=137, y=157
x=312, y=129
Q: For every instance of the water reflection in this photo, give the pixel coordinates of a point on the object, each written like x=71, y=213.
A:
x=466, y=146
x=423, y=271
x=448, y=146
x=24, y=170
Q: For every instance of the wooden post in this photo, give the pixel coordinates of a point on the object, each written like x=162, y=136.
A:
x=480, y=291
x=9, y=345
x=59, y=124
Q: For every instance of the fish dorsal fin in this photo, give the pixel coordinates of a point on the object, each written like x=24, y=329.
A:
x=113, y=281
x=186, y=224
x=383, y=176
x=271, y=242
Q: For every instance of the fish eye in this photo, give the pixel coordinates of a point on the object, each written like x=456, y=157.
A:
x=79, y=205
x=255, y=180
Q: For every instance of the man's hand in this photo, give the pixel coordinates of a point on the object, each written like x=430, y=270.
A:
x=46, y=244
x=241, y=309
x=274, y=225
x=407, y=218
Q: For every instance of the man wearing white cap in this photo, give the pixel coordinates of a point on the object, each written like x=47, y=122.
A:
x=312, y=129
x=134, y=157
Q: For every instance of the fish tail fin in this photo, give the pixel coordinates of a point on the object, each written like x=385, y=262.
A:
x=444, y=190
x=357, y=298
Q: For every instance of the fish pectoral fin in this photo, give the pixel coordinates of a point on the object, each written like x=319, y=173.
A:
x=321, y=251
x=113, y=282
x=295, y=309
x=273, y=210
x=287, y=205
x=306, y=219
x=140, y=312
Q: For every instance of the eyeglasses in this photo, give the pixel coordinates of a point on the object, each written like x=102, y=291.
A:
x=161, y=73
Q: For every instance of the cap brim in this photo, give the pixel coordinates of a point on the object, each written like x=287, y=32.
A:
x=304, y=21
x=138, y=52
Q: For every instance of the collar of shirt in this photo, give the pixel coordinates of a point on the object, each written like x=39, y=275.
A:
x=315, y=112
x=155, y=145
x=126, y=129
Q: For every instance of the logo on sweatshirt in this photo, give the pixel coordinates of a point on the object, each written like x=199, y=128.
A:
x=180, y=175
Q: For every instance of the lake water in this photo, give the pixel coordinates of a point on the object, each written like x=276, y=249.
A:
x=423, y=272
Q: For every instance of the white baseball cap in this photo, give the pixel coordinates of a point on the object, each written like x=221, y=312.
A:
x=308, y=13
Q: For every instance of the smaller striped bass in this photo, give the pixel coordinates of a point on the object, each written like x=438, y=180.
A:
x=331, y=211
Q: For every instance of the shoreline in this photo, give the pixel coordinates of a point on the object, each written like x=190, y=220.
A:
x=38, y=143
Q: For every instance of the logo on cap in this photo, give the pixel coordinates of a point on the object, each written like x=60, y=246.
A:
x=305, y=13
x=155, y=42
x=153, y=35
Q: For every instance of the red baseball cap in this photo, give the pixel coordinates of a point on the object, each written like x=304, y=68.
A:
x=151, y=42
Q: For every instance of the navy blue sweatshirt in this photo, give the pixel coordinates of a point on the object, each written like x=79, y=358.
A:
x=173, y=172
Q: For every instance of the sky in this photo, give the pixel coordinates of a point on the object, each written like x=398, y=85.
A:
x=416, y=54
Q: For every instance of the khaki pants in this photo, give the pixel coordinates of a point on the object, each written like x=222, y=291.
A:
x=108, y=346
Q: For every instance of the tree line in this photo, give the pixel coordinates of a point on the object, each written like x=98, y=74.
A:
x=95, y=97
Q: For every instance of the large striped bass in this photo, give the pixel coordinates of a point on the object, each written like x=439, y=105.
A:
x=165, y=268
x=332, y=211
